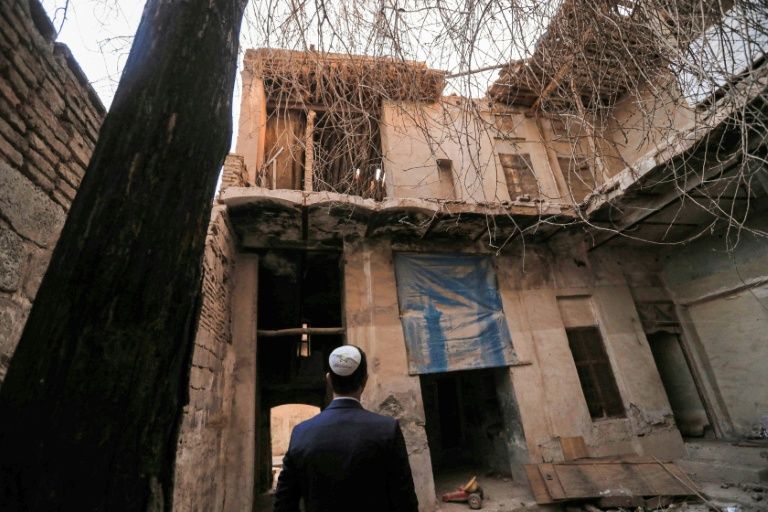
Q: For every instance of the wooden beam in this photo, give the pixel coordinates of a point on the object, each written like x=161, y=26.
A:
x=559, y=75
x=295, y=331
x=648, y=208
x=561, y=72
x=309, y=151
x=297, y=105
x=478, y=70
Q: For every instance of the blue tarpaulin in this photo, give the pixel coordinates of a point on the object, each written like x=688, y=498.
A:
x=451, y=313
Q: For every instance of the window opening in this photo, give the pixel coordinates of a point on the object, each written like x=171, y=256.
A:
x=445, y=179
x=518, y=172
x=595, y=372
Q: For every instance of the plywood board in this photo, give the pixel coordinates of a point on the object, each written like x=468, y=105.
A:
x=552, y=481
x=574, y=448
x=538, y=487
x=598, y=478
x=585, y=481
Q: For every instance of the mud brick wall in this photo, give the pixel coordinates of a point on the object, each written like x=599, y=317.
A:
x=49, y=121
x=200, y=455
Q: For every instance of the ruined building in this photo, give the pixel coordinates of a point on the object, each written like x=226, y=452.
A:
x=514, y=269
x=550, y=265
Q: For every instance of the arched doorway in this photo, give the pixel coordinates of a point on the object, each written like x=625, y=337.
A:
x=283, y=419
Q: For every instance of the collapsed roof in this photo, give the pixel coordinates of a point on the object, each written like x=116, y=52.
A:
x=594, y=52
x=318, y=78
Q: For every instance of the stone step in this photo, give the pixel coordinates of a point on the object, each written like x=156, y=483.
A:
x=727, y=453
x=712, y=471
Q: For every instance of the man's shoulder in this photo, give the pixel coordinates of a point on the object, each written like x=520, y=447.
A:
x=380, y=418
x=361, y=413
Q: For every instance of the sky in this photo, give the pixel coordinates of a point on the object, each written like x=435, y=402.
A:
x=100, y=32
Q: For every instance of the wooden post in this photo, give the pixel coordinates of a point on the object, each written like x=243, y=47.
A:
x=309, y=151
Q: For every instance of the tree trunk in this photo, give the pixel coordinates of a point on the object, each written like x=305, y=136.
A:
x=92, y=401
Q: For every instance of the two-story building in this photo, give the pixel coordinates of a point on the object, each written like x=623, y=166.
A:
x=541, y=264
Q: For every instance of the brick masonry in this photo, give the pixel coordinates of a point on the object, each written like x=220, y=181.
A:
x=200, y=457
x=49, y=121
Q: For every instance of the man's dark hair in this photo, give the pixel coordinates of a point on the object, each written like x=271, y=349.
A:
x=351, y=383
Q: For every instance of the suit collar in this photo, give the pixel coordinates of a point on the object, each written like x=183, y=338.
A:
x=344, y=403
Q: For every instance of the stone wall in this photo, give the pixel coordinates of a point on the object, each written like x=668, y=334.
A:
x=49, y=122
x=202, y=441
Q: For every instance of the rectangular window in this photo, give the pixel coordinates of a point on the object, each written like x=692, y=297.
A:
x=445, y=179
x=595, y=372
x=518, y=171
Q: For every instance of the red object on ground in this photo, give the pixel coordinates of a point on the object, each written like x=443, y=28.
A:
x=457, y=496
x=471, y=493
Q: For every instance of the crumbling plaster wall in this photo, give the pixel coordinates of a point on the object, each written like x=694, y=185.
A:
x=282, y=422
x=202, y=445
x=642, y=123
x=252, y=124
x=722, y=298
x=415, y=135
x=373, y=323
x=548, y=391
x=49, y=122
x=545, y=388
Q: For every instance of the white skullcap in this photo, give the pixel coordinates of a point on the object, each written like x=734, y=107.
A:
x=344, y=360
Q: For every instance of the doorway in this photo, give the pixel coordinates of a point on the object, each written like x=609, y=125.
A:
x=464, y=422
x=687, y=407
x=283, y=419
x=299, y=319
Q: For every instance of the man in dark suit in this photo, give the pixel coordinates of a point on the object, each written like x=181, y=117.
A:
x=346, y=458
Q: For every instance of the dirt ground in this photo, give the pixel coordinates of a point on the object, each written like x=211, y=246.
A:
x=501, y=493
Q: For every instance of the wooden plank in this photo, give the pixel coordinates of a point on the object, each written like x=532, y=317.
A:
x=617, y=479
x=309, y=151
x=538, y=487
x=552, y=481
x=574, y=448
x=616, y=459
x=683, y=477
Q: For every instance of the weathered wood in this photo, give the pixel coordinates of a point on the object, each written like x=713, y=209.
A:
x=573, y=448
x=600, y=478
x=263, y=333
x=309, y=151
x=92, y=400
x=551, y=480
x=539, y=488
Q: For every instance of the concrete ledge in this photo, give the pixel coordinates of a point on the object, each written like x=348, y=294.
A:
x=292, y=218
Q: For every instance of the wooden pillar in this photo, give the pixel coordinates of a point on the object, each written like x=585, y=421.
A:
x=309, y=151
